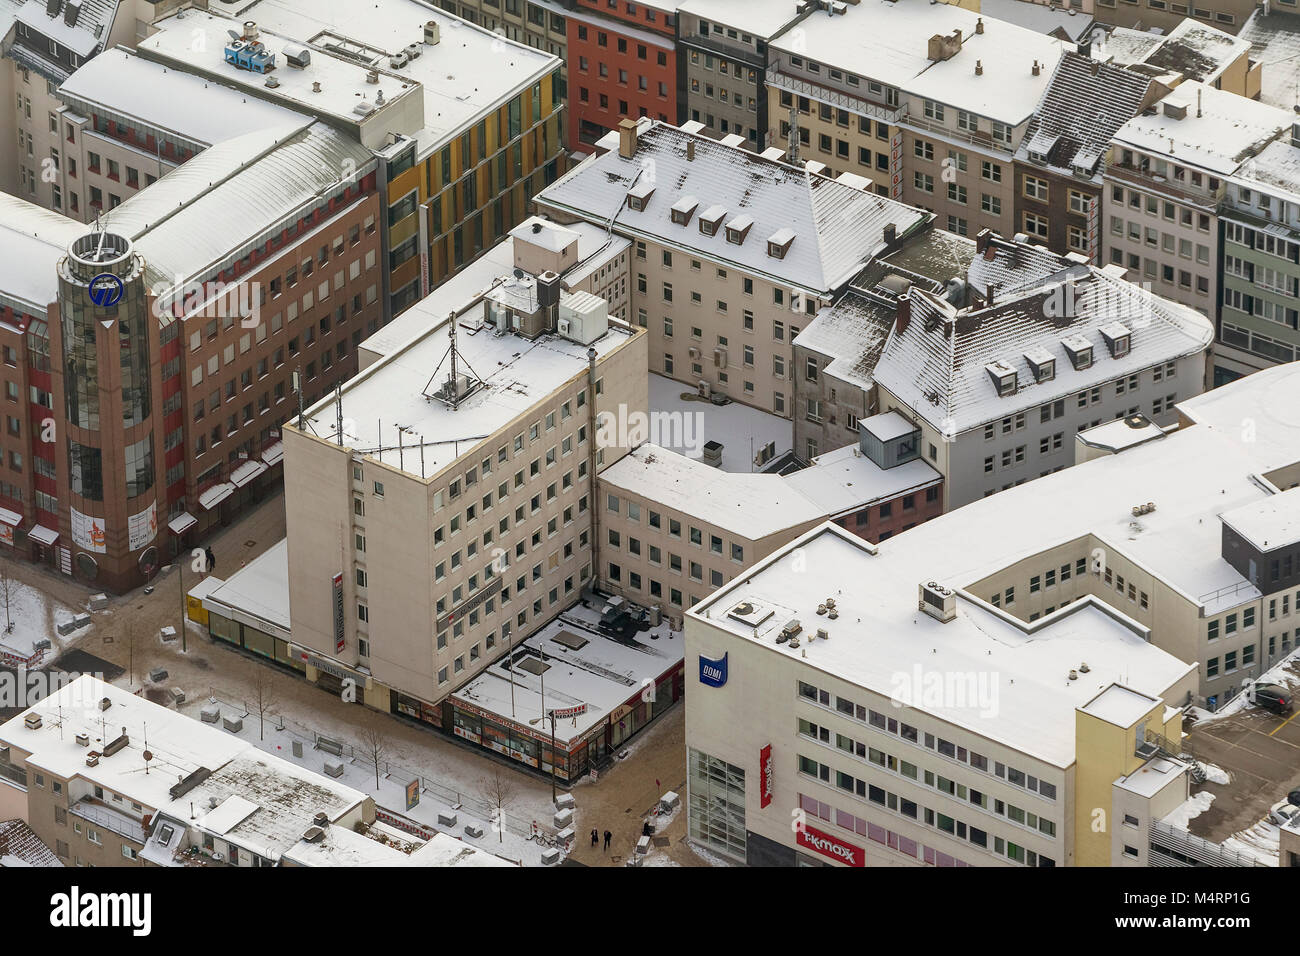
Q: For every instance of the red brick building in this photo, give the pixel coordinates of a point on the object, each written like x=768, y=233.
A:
x=622, y=61
x=147, y=368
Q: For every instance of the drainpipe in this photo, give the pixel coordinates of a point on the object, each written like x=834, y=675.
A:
x=591, y=468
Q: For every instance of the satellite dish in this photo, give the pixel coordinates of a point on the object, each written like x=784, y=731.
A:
x=519, y=273
x=234, y=35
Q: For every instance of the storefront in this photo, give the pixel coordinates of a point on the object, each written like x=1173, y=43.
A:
x=251, y=638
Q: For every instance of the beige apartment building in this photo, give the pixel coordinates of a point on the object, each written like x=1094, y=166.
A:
x=928, y=103
x=454, y=515
x=726, y=266
x=1165, y=179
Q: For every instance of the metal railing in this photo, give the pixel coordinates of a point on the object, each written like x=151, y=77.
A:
x=109, y=819
x=1178, y=840
x=815, y=91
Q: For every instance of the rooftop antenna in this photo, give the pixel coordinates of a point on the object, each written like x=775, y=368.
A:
x=792, y=142
x=338, y=411
x=297, y=388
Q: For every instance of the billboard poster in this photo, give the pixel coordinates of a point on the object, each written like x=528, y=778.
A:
x=713, y=673
x=339, y=642
x=88, y=532
x=765, y=781
x=142, y=528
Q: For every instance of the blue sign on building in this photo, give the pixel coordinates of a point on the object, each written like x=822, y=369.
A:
x=106, y=290
x=713, y=673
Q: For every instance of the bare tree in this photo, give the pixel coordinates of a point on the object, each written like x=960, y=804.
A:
x=5, y=595
x=375, y=749
x=264, y=697
x=499, y=791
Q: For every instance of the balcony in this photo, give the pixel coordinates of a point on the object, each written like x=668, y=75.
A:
x=836, y=98
x=113, y=820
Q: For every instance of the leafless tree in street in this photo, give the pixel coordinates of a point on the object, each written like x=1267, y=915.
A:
x=264, y=698
x=499, y=791
x=374, y=747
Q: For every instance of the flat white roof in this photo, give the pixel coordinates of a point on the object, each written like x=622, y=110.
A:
x=888, y=426
x=1228, y=130
x=34, y=239
x=1269, y=524
x=390, y=393
x=603, y=675
x=762, y=18
x=171, y=99
x=887, y=41
x=845, y=479
x=753, y=506
x=1019, y=689
x=259, y=591
x=1120, y=706
x=1122, y=433
x=470, y=69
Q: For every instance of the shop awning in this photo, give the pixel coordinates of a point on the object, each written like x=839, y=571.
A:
x=272, y=454
x=43, y=535
x=216, y=494
x=246, y=472
x=11, y=518
x=182, y=523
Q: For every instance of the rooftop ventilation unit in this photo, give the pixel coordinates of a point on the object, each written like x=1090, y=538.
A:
x=188, y=783
x=83, y=740
x=747, y=612
x=296, y=55
x=938, y=601
x=70, y=13
x=431, y=32
x=313, y=835
x=118, y=744
x=244, y=53
x=791, y=629
x=398, y=60
x=32, y=721
x=105, y=703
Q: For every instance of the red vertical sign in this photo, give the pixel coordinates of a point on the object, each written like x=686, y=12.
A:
x=827, y=845
x=765, y=776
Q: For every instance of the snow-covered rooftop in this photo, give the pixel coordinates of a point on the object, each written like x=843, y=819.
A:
x=1121, y=433
x=395, y=391
x=34, y=239
x=880, y=640
x=21, y=847
x=762, y=18
x=161, y=97
x=887, y=41
x=1269, y=524
x=83, y=36
x=1274, y=37
x=837, y=227
x=601, y=674
x=1119, y=705
x=341, y=846
x=1196, y=50
x=753, y=505
x=1069, y=22
x=844, y=480
x=469, y=71
x=257, y=594
x=1276, y=170
x=937, y=364
x=1217, y=131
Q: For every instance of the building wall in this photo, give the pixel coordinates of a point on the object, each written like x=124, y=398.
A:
x=1070, y=206
x=1229, y=15
x=760, y=705
x=724, y=79
x=1248, y=341
x=471, y=191
x=664, y=565
x=410, y=580
x=644, y=55
x=1021, y=435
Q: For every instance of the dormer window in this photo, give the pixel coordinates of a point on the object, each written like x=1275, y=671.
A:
x=684, y=209
x=1080, y=351
x=711, y=219
x=778, y=244
x=638, y=197
x=1042, y=364
x=1004, y=377
x=738, y=229
x=1118, y=339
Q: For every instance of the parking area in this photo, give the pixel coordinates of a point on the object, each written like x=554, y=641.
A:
x=1261, y=753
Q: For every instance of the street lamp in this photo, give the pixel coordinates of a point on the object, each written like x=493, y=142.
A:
x=180, y=580
x=551, y=715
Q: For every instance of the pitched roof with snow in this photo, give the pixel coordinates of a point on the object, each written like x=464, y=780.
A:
x=837, y=228
x=1274, y=37
x=1083, y=107
x=20, y=846
x=937, y=365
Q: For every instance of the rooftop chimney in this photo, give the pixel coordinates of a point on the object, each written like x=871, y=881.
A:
x=1036, y=68
x=690, y=150
x=988, y=294
x=979, y=25
x=979, y=67
x=890, y=232
x=904, y=314
x=627, y=138
x=982, y=240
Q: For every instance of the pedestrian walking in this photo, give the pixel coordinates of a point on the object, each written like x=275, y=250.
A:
x=608, y=836
x=211, y=558
x=658, y=789
x=595, y=836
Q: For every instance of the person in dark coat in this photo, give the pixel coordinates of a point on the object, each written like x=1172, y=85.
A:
x=608, y=836
x=212, y=560
x=595, y=836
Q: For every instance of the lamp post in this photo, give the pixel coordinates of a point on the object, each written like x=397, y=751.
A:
x=180, y=580
x=533, y=722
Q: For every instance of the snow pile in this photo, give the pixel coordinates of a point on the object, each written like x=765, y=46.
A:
x=1193, y=806
x=1259, y=842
